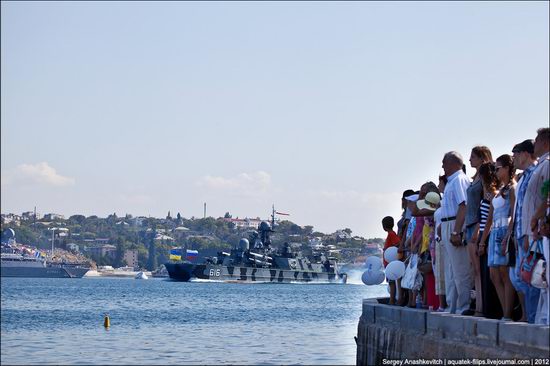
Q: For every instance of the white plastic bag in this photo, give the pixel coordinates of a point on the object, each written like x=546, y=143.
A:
x=411, y=272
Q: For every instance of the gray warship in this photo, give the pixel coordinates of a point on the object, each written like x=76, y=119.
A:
x=17, y=265
x=259, y=262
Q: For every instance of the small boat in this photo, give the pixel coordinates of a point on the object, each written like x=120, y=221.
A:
x=141, y=276
x=160, y=272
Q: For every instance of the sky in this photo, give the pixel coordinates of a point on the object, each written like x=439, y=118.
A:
x=328, y=110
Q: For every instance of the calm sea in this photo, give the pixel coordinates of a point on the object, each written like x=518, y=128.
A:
x=158, y=321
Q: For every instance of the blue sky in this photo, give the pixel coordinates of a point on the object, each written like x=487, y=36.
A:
x=329, y=110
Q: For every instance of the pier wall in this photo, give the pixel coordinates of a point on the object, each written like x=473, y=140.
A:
x=394, y=332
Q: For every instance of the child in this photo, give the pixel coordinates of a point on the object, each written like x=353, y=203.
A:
x=391, y=241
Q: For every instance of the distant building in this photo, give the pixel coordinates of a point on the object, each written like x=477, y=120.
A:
x=131, y=258
x=29, y=216
x=11, y=219
x=138, y=221
x=53, y=216
x=316, y=243
x=103, y=250
x=245, y=223
x=162, y=237
x=342, y=235
x=73, y=247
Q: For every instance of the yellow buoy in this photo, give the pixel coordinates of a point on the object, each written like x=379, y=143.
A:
x=107, y=321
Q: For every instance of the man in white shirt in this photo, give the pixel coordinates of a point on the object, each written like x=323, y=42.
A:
x=458, y=278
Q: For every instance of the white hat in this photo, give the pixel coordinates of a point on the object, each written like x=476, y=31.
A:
x=430, y=202
x=412, y=197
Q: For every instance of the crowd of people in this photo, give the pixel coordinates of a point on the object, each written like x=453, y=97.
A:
x=477, y=244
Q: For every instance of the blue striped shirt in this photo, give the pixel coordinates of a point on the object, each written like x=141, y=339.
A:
x=519, y=199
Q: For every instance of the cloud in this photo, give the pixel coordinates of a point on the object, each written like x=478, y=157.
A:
x=41, y=173
x=247, y=184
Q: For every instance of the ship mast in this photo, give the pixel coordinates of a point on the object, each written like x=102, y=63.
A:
x=273, y=218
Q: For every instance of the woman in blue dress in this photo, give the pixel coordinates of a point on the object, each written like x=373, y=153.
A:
x=500, y=226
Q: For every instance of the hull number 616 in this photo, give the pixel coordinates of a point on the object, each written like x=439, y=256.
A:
x=214, y=272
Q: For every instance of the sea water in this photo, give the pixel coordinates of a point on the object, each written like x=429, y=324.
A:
x=159, y=321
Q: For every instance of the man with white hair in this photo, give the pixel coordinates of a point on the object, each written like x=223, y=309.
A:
x=458, y=278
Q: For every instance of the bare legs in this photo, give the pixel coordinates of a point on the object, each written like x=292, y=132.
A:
x=498, y=283
x=509, y=291
x=392, y=292
x=505, y=291
x=472, y=251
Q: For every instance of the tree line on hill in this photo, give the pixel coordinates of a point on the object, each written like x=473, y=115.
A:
x=149, y=235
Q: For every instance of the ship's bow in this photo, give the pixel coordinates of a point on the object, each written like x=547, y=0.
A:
x=180, y=271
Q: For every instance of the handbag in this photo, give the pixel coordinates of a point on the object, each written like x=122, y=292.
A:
x=538, y=279
x=528, y=262
x=425, y=263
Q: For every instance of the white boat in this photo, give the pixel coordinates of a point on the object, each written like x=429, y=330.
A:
x=141, y=276
x=160, y=272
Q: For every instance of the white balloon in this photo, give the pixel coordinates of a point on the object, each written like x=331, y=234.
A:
x=374, y=263
x=373, y=277
x=390, y=254
x=395, y=270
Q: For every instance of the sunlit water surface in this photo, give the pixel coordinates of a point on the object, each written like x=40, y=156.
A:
x=158, y=321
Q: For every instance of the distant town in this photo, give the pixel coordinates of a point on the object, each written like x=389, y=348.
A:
x=145, y=242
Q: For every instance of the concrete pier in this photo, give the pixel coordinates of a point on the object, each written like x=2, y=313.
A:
x=393, y=332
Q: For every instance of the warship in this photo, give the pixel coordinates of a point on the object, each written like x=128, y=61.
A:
x=18, y=265
x=255, y=260
x=16, y=261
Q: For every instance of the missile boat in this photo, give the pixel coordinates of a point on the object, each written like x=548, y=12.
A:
x=260, y=262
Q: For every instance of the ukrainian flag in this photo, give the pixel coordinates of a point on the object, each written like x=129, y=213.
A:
x=175, y=254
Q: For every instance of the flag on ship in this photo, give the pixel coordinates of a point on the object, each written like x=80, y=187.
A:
x=175, y=254
x=192, y=254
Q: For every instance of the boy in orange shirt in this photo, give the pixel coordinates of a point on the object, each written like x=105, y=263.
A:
x=391, y=241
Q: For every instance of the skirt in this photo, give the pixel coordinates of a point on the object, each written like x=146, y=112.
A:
x=494, y=252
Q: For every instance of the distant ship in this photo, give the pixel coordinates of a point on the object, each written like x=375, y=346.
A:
x=17, y=265
x=261, y=263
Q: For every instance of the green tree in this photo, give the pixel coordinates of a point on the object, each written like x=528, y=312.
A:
x=26, y=235
x=307, y=230
x=77, y=219
x=152, y=260
x=119, y=256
